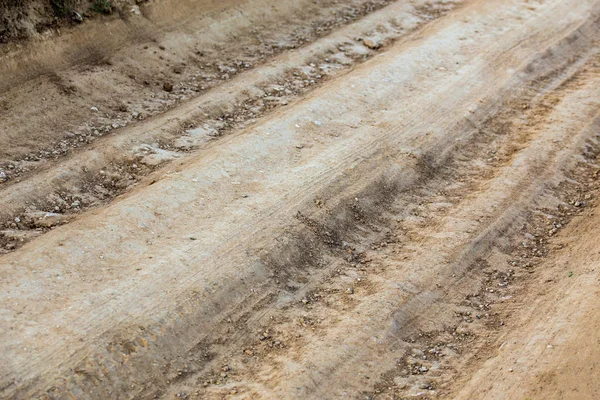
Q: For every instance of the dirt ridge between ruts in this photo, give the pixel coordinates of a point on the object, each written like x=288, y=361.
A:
x=53, y=196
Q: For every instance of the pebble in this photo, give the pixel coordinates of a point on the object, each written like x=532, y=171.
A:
x=370, y=43
x=349, y=291
x=76, y=17
x=168, y=87
x=3, y=176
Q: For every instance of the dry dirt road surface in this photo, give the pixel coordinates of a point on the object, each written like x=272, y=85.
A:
x=304, y=200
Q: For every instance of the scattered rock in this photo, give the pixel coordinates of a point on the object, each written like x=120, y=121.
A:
x=349, y=291
x=76, y=17
x=152, y=156
x=41, y=219
x=370, y=43
x=168, y=87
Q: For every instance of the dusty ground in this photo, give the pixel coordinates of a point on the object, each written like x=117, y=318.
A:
x=303, y=199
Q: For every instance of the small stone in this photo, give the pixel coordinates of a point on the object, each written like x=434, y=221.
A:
x=44, y=219
x=168, y=87
x=370, y=43
x=249, y=352
x=349, y=291
x=76, y=17
x=299, y=146
x=94, y=108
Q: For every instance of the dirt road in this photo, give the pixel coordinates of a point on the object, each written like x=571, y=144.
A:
x=311, y=200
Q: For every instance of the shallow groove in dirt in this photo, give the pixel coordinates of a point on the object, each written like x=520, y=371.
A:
x=364, y=261
x=435, y=358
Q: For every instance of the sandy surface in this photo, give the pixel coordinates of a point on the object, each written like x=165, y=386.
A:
x=310, y=200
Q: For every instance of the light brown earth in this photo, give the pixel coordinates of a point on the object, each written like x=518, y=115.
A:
x=337, y=199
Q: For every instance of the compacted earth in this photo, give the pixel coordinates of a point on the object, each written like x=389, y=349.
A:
x=300, y=199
